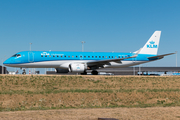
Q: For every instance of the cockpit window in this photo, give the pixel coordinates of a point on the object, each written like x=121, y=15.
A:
x=14, y=55
x=17, y=55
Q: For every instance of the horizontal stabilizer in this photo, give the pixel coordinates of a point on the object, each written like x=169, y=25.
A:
x=160, y=56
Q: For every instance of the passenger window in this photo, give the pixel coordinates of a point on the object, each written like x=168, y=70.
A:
x=119, y=56
x=57, y=55
x=64, y=56
x=41, y=55
x=76, y=56
x=115, y=56
x=92, y=56
x=99, y=56
x=109, y=57
x=45, y=55
x=53, y=55
x=122, y=56
x=81, y=56
x=72, y=56
x=69, y=56
x=49, y=56
x=103, y=56
x=84, y=56
x=96, y=56
x=112, y=56
x=88, y=56
x=106, y=56
x=61, y=56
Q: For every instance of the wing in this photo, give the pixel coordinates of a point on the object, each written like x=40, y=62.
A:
x=103, y=62
x=160, y=56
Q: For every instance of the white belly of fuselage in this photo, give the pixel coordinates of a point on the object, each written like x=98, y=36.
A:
x=65, y=64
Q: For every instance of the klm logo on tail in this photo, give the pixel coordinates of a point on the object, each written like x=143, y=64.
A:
x=152, y=45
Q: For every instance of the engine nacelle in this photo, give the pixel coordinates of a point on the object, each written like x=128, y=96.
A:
x=80, y=68
x=59, y=70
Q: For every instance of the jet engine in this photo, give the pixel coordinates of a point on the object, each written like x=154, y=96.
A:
x=80, y=68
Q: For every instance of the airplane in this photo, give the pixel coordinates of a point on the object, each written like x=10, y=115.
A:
x=80, y=62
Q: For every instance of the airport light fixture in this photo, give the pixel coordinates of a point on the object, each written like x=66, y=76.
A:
x=2, y=64
x=30, y=50
x=133, y=70
x=139, y=69
x=176, y=58
x=2, y=67
x=30, y=46
x=82, y=45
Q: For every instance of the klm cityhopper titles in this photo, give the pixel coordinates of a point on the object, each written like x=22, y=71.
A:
x=81, y=61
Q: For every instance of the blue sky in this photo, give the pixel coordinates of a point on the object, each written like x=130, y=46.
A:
x=105, y=25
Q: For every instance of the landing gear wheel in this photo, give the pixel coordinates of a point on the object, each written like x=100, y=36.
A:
x=23, y=73
x=94, y=72
x=84, y=73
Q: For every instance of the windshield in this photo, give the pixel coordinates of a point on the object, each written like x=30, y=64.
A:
x=14, y=55
x=17, y=55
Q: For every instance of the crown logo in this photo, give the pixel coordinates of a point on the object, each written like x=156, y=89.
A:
x=151, y=42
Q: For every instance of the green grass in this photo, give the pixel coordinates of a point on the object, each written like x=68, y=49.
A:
x=54, y=91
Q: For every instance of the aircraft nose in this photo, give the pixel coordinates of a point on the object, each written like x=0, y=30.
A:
x=7, y=62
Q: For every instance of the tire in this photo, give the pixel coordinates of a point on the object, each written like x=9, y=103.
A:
x=94, y=72
x=84, y=73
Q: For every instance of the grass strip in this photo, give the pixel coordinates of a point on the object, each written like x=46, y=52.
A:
x=23, y=108
x=87, y=91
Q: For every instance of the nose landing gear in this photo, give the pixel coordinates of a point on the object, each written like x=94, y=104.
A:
x=24, y=71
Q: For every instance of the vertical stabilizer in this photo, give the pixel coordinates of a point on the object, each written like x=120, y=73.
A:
x=152, y=45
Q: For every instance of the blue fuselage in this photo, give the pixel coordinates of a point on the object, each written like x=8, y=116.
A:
x=54, y=59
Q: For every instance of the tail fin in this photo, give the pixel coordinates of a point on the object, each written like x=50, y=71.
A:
x=151, y=47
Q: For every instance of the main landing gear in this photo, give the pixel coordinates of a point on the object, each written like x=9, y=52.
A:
x=84, y=73
x=94, y=72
